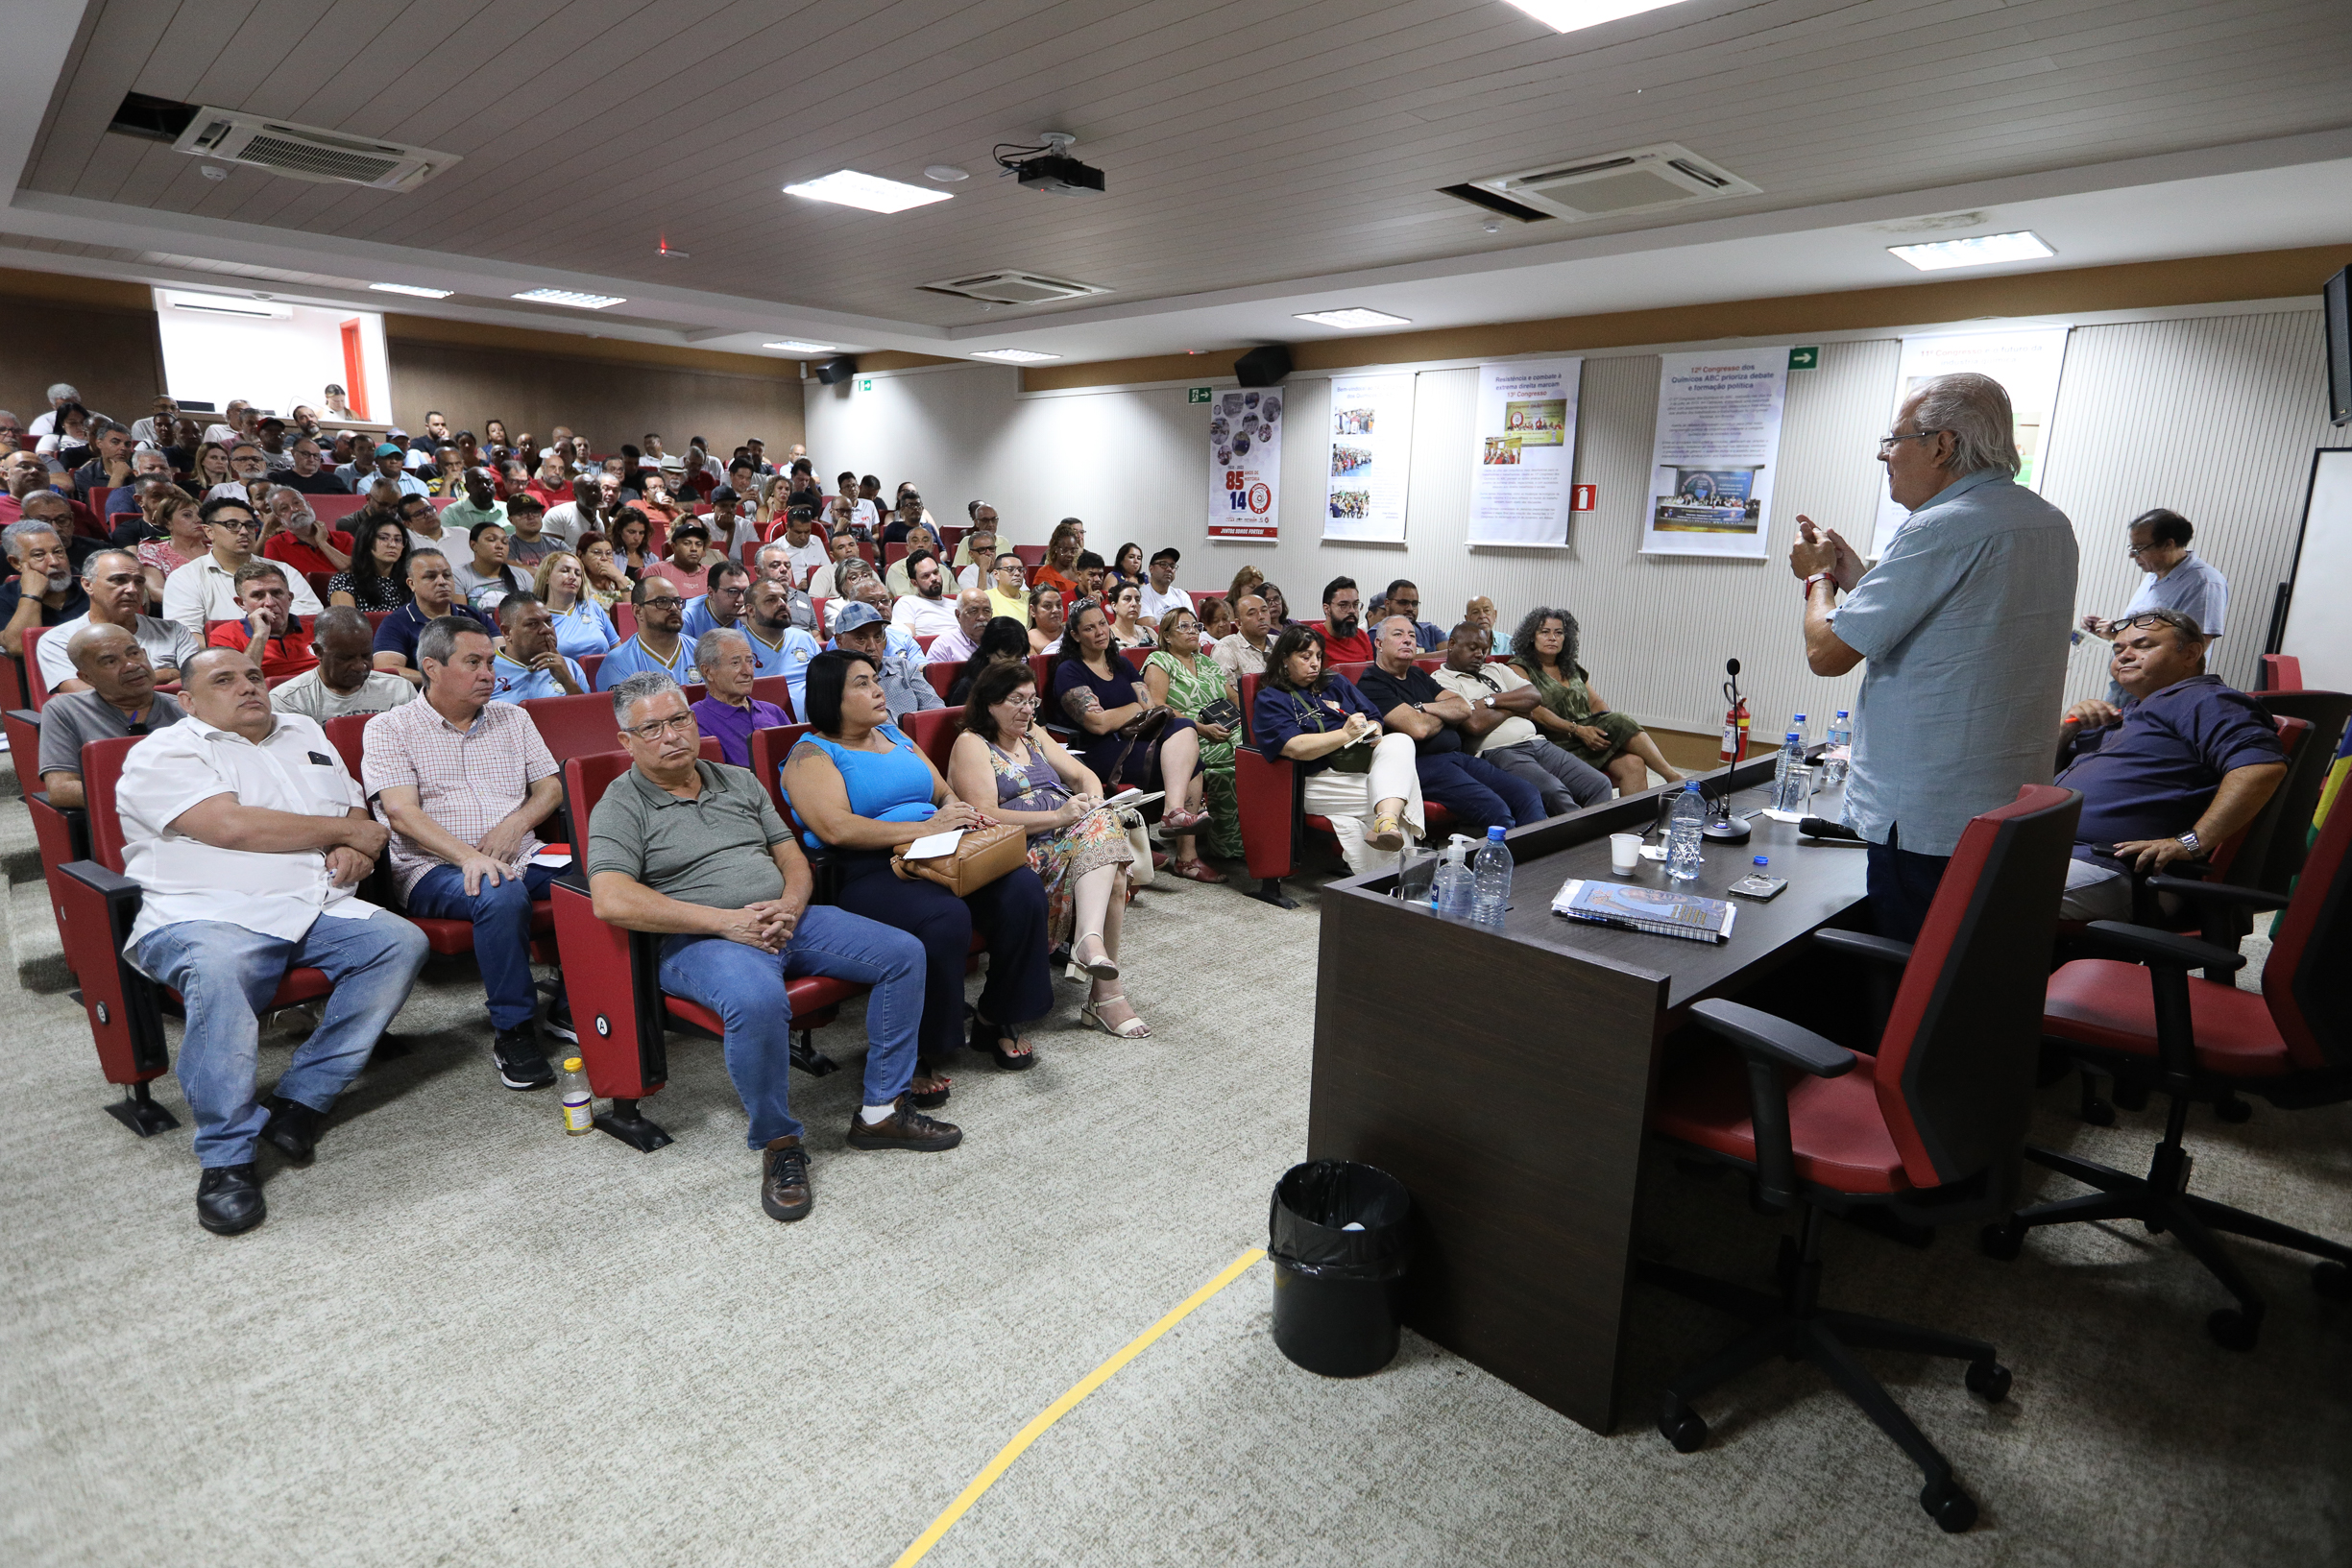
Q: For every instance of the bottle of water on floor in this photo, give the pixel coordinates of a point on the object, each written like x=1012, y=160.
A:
x=1682, y=831
x=1452, y=891
x=1787, y=766
x=1841, y=747
x=1491, y=879
x=579, y=1105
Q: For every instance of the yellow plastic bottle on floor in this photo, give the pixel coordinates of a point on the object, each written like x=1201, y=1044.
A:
x=579, y=1105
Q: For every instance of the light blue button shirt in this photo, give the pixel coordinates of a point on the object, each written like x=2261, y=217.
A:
x=1964, y=624
x=2193, y=588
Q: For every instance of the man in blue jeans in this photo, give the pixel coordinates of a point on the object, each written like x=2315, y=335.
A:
x=462, y=782
x=695, y=850
x=1411, y=702
x=247, y=838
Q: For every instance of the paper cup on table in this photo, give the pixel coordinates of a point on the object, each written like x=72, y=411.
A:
x=1624, y=852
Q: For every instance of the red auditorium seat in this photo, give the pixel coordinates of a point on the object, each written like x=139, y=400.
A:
x=942, y=675
x=36, y=686
x=62, y=833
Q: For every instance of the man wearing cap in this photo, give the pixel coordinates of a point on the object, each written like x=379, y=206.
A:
x=685, y=567
x=387, y=463
x=1159, y=590
x=904, y=687
x=529, y=543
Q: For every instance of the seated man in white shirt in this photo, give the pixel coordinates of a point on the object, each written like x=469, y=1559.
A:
x=1159, y=589
x=248, y=838
x=928, y=611
x=344, y=680
x=806, y=547
x=1499, y=730
x=204, y=589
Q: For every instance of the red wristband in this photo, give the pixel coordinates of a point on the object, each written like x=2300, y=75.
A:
x=1819, y=577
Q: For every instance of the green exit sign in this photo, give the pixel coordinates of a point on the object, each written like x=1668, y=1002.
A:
x=1197, y=394
x=865, y=383
x=1805, y=359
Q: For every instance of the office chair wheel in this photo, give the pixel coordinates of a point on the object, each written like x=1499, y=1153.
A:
x=2231, y=1109
x=1989, y=1381
x=1952, y=1509
x=2002, y=1242
x=2231, y=1329
x=1680, y=1425
x=2332, y=1280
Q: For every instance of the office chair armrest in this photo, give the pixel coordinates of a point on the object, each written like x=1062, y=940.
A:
x=1883, y=950
x=1760, y=1035
x=2140, y=944
x=2246, y=898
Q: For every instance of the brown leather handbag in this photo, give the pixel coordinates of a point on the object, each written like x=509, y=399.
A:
x=979, y=858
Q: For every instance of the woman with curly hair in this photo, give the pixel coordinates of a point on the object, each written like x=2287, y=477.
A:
x=1574, y=716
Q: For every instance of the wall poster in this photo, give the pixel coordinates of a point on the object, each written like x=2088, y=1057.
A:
x=1526, y=451
x=1717, y=451
x=1371, y=457
x=1246, y=464
x=2026, y=361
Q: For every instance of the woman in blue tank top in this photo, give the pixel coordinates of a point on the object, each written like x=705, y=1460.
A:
x=857, y=784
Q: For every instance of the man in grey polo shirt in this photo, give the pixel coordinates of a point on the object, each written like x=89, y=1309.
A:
x=121, y=699
x=1964, y=623
x=695, y=852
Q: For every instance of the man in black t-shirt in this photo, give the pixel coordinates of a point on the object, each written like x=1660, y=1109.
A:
x=1479, y=793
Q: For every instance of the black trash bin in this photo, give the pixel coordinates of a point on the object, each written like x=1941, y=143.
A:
x=1335, y=1289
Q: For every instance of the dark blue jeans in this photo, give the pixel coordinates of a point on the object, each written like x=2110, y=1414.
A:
x=502, y=917
x=1902, y=886
x=1477, y=791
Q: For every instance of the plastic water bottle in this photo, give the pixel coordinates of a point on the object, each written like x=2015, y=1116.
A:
x=1805, y=735
x=1842, y=746
x=1491, y=879
x=1682, y=829
x=1792, y=752
x=579, y=1105
x=1451, y=890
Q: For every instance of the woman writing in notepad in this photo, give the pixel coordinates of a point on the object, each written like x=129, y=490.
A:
x=1363, y=780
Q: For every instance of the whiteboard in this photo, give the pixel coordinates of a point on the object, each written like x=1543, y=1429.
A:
x=2319, y=629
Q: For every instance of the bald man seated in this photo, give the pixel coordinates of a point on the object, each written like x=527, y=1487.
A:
x=117, y=697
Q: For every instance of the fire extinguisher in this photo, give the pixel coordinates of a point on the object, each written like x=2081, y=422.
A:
x=1734, y=720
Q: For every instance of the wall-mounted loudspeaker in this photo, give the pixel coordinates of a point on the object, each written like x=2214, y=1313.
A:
x=840, y=368
x=1263, y=367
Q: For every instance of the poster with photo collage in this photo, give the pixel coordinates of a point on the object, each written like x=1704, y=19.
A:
x=1371, y=458
x=1246, y=463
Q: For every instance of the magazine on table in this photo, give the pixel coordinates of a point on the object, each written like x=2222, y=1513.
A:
x=1660, y=911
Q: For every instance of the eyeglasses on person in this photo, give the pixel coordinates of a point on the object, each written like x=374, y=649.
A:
x=656, y=729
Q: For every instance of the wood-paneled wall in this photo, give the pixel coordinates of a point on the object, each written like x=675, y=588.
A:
x=98, y=335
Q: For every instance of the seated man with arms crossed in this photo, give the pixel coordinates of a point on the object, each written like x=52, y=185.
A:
x=248, y=838
x=117, y=590
x=344, y=680
x=115, y=696
x=462, y=782
x=695, y=852
x=1499, y=729
x=2185, y=763
x=1478, y=792
x=432, y=594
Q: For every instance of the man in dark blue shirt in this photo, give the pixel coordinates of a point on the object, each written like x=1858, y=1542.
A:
x=1411, y=703
x=2183, y=764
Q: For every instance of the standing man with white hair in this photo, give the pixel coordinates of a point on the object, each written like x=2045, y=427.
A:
x=1964, y=622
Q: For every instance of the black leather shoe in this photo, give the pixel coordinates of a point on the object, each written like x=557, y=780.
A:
x=784, y=1180
x=521, y=1064
x=559, y=1016
x=228, y=1199
x=293, y=1128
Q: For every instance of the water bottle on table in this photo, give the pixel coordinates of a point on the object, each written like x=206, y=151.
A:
x=1453, y=889
x=1683, y=833
x=1833, y=762
x=1792, y=781
x=1491, y=879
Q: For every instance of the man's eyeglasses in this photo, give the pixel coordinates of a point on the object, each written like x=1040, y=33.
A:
x=682, y=724
x=669, y=601
x=1886, y=444
x=235, y=525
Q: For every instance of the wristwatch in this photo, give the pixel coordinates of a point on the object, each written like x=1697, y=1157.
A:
x=1828, y=577
x=2190, y=839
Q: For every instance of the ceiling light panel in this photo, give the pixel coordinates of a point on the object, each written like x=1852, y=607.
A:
x=1354, y=319
x=1981, y=251
x=870, y=192
x=794, y=346
x=1014, y=357
x=571, y=297
x=412, y=288
x=1569, y=15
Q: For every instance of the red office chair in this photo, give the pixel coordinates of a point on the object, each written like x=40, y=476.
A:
x=1929, y=1131
x=2196, y=1039
x=612, y=977
x=125, y=1008
x=2282, y=672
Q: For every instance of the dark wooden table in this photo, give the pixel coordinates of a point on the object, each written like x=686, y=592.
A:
x=1504, y=1077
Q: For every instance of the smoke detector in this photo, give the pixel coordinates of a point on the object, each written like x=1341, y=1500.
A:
x=1639, y=180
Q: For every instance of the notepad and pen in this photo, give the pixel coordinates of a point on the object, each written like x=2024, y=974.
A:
x=1657, y=910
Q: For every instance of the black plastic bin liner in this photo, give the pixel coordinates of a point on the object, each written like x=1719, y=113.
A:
x=1335, y=1289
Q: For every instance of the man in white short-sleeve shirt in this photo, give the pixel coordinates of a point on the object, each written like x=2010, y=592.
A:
x=223, y=926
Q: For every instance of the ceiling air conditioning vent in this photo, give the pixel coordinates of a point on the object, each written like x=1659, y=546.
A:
x=307, y=153
x=1644, y=180
x=1012, y=288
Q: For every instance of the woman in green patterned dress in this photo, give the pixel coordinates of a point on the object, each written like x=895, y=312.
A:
x=1574, y=716
x=1190, y=682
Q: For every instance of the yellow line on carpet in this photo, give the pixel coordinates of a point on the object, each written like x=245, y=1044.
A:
x=1064, y=1406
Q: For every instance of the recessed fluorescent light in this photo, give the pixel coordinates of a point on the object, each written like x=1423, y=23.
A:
x=1012, y=356
x=1982, y=250
x=871, y=192
x=1353, y=319
x=1568, y=15
x=411, y=288
x=792, y=346
x=572, y=297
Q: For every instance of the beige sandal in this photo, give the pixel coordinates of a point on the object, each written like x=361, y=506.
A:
x=1388, y=835
x=1132, y=1029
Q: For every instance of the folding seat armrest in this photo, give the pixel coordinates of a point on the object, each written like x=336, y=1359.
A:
x=1880, y=949
x=2161, y=950
x=116, y=886
x=1770, y=1044
x=2244, y=897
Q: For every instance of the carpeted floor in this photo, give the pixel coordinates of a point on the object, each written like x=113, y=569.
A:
x=464, y=1338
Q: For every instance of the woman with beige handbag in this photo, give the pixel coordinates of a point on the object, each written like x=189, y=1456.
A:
x=1076, y=846
x=860, y=787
